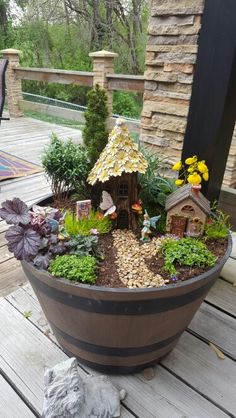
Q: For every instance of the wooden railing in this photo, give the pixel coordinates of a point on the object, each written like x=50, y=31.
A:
x=115, y=81
x=55, y=76
x=102, y=74
x=126, y=82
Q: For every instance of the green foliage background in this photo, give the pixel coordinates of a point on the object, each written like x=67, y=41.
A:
x=51, y=35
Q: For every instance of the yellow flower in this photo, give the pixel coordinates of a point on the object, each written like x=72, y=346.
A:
x=92, y=179
x=179, y=182
x=130, y=167
x=142, y=169
x=202, y=167
x=110, y=161
x=133, y=154
x=191, y=160
x=206, y=176
x=177, y=166
x=194, y=179
x=117, y=170
x=121, y=155
x=104, y=176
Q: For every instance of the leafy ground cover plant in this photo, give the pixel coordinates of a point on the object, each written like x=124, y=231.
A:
x=67, y=166
x=187, y=252
x=85, y=226
x=73, y=267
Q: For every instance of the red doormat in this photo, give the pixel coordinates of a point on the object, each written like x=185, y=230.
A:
x=12, y=166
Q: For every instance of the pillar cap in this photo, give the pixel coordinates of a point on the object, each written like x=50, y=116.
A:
x=103, y=54
x=10, y=51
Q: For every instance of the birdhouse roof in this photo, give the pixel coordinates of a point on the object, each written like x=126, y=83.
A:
x=121, y=155
x=187, y=192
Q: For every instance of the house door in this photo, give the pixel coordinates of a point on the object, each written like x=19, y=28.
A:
x=123, y=220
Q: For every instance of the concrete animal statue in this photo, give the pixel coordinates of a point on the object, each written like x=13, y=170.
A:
x=67, y=394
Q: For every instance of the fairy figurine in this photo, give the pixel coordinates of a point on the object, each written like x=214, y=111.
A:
x=147, y=224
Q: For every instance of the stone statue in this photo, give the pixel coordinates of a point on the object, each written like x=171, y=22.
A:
x=67, y=394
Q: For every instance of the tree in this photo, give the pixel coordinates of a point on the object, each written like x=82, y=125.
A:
x=113, y=21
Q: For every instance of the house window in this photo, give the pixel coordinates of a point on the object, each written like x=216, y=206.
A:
x=188, y=210
x=123, y=190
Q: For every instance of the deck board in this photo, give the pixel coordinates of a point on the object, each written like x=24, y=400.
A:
x=18, y=134
x=11, y=405
x=223, y=296
x=192, y=360
x=163, y=396
x=217, y=327
x=191, y=382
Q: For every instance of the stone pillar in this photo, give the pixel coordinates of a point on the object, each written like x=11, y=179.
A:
x=14, y=90
x=103, y=64
x=170, y=58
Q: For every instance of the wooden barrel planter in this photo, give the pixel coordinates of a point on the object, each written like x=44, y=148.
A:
x=117, y=330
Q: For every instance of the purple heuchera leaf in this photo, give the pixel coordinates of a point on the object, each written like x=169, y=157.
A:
x=42, y=261
x=24, y=243
x=14, y=212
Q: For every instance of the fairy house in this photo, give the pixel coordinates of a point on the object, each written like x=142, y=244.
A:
x=187, y=211
x=117, y=169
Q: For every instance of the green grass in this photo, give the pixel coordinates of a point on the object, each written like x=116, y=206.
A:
x=54, y=119
x=83, y=226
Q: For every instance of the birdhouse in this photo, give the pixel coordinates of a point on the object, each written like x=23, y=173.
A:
x=187, y=210
x=117, y=169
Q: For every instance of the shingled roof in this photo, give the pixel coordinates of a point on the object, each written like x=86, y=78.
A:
x=186, y=192
x=121, y=155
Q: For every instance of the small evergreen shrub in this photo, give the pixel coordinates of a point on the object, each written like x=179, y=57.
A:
x=67, y=166
x=84, y=226
x=72, y=267
x=185, y=252
x=95, y=133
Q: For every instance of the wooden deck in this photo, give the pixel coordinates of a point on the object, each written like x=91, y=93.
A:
x=191, y=382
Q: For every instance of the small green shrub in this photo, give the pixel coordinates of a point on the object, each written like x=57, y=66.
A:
x=75, y=268
x=95, y=133
x=83, y=226
x=218, y=226
x=185, y=252
x=67, y=166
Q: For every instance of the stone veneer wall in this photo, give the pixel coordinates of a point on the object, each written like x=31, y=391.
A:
x=170, y=58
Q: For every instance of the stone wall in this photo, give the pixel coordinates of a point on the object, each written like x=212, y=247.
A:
x=170, y=59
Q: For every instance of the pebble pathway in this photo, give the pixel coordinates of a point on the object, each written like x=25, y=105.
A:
x=130, y=260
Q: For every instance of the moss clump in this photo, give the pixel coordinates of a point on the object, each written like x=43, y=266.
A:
x=75, y=268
